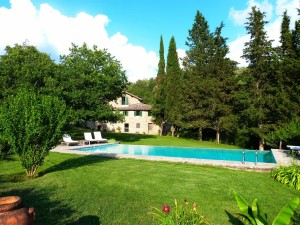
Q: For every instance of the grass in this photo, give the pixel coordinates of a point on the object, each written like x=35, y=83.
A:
x=83, y=190
x=74, y=189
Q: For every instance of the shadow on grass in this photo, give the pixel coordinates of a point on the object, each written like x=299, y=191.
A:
x=13, y=177
x=296, y=218
x=86, y=220
x=75, y=163
x=47, y=210
x=232, y=219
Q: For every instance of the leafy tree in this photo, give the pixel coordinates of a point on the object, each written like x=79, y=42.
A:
x=172, y=84
x=284, y=133
x=32, y=124
x=88, y=80
x=24, y=67
x=158, y=110
x=143, y=89
x=262, y=81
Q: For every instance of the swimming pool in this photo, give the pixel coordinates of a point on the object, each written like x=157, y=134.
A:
x=184, y=152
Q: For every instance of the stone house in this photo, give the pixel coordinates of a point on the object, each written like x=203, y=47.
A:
x=138, y=117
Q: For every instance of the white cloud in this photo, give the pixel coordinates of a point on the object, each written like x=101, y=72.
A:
x=239, y=17
x=181, y=54
x=272, y=28
x=50, y=30
x=236, y=50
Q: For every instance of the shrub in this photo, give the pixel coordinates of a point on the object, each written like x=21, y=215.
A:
x=178, y=214
x=32, y=124
x=111, y=140
x=4, y=148
x=287, y=175
x=254, y=214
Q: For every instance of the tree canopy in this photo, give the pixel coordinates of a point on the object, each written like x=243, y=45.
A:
x=88, y=79
x=24, y=67
x=215, y=95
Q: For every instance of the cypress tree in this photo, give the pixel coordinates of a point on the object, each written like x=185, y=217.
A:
x=173, y=81
x=158, y=110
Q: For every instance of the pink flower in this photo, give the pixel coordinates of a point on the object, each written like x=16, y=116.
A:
x=166, y=209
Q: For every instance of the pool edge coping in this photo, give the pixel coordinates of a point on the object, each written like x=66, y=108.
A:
x=281, y=158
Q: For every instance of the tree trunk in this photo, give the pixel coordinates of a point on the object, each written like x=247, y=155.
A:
x=161, y=129
x=280, y=144
x=200, y=134
x=31, y=172
x=261, y=144
x=218, y=136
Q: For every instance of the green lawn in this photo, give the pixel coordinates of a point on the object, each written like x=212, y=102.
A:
x=83, y=190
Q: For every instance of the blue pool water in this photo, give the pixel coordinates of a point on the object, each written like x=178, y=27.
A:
x=184, y=152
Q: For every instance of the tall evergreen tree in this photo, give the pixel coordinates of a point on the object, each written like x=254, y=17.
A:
x=262, y=82
x=287, y=95
x=222, y=71
x=173, y=81
x=296, y=37
x=286, y=37
x=194, y=104
x=158, y=110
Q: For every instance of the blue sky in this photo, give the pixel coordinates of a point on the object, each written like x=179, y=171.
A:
x=130, y=29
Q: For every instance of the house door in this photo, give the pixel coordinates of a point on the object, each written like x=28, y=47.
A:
x=126, y=127
x=150, y=127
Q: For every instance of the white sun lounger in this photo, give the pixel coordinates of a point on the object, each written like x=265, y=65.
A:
x=296, y=148
x=98, y=137
x=88, y=137
x=68, y=140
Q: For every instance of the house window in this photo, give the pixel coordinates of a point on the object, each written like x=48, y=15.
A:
x=150, y=126
x=125, y=113
x=126, y=127
x=124, y=100
x=138, y=113
x=138, y=125
x=149, y=113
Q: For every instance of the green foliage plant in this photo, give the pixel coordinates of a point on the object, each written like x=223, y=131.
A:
x=287, y=175
x=179, y=214
x=4, y=147
x=32, y=125
x=112, y=140
x=254, y=214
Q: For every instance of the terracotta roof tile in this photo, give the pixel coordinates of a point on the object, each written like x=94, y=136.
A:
x=134, y=107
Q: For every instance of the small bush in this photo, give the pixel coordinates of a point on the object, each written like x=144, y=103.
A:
x=287, y=175
x=111, y=140
x=178, y=214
